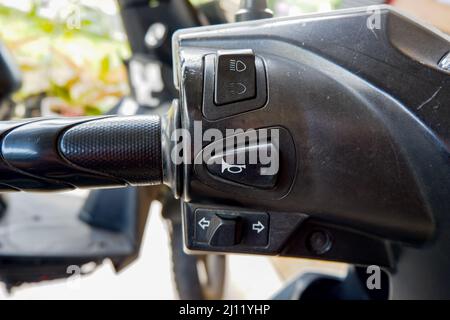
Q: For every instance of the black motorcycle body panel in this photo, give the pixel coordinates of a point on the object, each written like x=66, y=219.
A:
x=367, y=109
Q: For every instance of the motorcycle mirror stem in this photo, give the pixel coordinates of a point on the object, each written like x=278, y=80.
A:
x=253, y=10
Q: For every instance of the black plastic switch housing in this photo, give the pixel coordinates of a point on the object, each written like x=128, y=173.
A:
x=235, y=76
x=227, y=228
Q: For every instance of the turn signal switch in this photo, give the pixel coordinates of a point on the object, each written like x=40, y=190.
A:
x=224, y=231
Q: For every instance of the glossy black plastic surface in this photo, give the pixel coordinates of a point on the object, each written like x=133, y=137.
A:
x=367, y=110
x=62, y=154
x=250, y=184
x=355, y=165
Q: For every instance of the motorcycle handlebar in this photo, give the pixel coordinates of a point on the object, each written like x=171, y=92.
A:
x=67, y=153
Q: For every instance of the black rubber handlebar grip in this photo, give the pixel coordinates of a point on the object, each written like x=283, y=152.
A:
x=67, y=153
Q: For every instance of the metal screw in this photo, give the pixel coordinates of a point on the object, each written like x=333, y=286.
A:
x=320, y=242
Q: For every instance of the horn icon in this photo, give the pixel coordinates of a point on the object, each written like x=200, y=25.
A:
x=235, y=169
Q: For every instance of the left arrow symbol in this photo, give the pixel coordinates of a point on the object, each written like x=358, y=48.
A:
x=203, y=223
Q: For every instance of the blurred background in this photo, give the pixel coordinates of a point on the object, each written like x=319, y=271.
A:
x=75, y=58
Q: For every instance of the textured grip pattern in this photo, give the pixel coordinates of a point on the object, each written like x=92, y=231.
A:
x=127, y=148
x=67, y=153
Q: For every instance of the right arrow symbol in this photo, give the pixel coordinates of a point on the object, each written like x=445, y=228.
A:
x=258, y=227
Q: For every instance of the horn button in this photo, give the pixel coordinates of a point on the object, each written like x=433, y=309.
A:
x=252, y=165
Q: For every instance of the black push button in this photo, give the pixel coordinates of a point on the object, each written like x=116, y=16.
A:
x=235, y=78
x=224, y=231
x=256, y=170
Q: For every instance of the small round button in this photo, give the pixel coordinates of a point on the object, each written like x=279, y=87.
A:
x=320, y=242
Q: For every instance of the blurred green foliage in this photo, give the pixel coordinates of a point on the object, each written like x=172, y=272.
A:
x=81, y=67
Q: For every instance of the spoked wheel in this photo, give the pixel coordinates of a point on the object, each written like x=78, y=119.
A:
x=196, y=276
x=211, y=269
